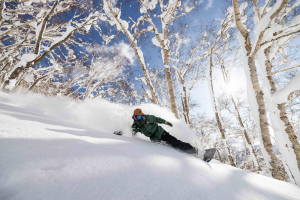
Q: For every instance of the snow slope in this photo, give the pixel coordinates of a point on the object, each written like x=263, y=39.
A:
x=43, y=156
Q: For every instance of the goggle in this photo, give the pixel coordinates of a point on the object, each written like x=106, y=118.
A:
x=138, y=117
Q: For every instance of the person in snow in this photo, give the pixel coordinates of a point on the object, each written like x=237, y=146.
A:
x=148, y=125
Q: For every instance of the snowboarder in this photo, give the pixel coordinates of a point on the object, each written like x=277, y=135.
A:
x=147, y=124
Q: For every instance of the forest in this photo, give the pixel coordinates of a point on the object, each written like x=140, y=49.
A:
x=165, y=52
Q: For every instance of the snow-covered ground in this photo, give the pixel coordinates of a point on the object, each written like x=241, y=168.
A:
x=52, y=148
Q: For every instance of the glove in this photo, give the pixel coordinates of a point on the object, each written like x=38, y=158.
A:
x=134, y=131
x=168, y=123
x=118, y=133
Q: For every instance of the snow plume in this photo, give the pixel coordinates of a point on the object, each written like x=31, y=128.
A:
x=101, y=114
x=124, y=48
x=209, y=4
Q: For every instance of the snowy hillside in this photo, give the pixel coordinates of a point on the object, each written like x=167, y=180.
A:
x=47, y=154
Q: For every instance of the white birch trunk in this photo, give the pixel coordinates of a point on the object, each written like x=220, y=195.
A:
x=255, y=93
x=246, y=138
x=284, y=144
x=218, y=115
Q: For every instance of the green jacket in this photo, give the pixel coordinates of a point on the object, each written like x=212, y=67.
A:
x=149, y=127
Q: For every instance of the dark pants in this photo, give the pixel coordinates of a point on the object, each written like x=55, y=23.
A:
x=171, y=140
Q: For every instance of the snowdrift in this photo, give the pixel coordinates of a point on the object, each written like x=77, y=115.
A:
x=47, y=154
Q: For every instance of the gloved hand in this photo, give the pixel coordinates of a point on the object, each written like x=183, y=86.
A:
x=133, y=132
x=168, y=123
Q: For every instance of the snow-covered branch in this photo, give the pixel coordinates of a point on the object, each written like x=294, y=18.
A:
x=114, y=16
x=280, y=37
x=282, y=95
x=19, y=26
x=41, y=28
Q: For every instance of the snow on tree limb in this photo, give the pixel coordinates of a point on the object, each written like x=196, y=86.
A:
x=264, y=23
x=41, y=28
x=19, y=26
x=281, y=96
x=114, y=16
x=28, y=61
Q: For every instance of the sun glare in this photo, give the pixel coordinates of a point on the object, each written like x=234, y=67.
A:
x=232, y=87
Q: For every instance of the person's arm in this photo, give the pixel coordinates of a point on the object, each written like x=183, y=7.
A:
x=159, y=120
x=162, y=121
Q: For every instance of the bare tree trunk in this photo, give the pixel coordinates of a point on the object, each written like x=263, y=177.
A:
x=245, y=134
x=283, y=115
x=220, y=126
x=5, y=67
x=246, y=139
x=139, y=57
x=1, y=9
x=184, y=99
x=87, y=90
x=183, y=109
x=186, y=106
x=43, y=26
x=166, y=51
x=13, y=75
x=171, y=92
x=18, y=81
x=276, y=169
x=219, y=156
x=2, y=79
x=252, y=75
x=35, y=83
x=290, y=131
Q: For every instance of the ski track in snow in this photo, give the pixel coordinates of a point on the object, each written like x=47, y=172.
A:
x=44, y=157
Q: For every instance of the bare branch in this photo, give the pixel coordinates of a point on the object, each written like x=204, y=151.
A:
x=42, y=29
x=143, y=31
x=265, y=8
x=279, y=37
x=238, y=21
x=256, y=9
x=1, y=9
x=16, y=27
x=36, y=82
x=282, y=70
